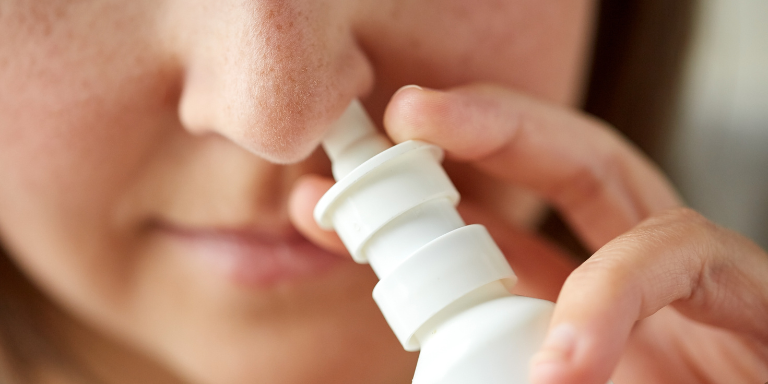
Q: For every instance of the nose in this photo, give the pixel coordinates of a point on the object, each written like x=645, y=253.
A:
x=270, y=75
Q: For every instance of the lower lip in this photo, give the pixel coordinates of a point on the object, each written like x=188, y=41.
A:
x=256, y=261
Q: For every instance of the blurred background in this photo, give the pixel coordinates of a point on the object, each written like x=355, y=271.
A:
x=717, y=155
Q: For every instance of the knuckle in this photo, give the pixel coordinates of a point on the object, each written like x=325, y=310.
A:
x=675, y=256
x=682, y=214
x=591, y=179
x=612, y=272
x=683, y=220
x=687, y=245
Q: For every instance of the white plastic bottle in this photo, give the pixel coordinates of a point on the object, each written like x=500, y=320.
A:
x=444, y=286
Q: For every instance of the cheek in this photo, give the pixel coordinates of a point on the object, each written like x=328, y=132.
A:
x=72, y=138
x=538, y=48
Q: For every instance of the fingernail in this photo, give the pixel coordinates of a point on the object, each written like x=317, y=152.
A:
x=558, y=346
x=410, y=86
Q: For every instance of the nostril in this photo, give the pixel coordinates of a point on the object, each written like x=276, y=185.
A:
x=272, y=80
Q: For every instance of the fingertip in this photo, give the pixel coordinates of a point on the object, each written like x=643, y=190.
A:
x=305, y=194
x=469, y=122
x=598, y=305
x=571, y=355
x=548, y=373
x=554, y=373
x=409, y=113
x=552, y=363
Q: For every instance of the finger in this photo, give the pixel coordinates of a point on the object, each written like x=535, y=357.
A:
x=602, y=185
x=541, y=268
x=305, y=194
x=707, y=273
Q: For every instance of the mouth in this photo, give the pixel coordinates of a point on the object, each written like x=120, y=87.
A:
x=251, y=257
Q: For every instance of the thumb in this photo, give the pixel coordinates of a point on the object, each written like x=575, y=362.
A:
x=306, y=192
x=709, y=274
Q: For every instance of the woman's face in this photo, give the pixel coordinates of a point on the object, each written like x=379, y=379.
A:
x=147, y=149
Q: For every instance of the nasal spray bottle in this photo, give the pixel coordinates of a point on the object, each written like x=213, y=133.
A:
x=444, y=285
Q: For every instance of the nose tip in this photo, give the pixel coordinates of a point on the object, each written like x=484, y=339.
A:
x=273, y=77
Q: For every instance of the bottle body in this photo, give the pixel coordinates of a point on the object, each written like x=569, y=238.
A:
x=491, y=343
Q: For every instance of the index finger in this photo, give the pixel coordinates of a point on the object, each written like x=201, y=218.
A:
x=600, y=182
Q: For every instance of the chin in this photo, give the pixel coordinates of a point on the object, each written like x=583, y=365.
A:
x=328, y=337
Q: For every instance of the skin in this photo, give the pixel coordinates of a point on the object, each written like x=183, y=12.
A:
x=122, y=116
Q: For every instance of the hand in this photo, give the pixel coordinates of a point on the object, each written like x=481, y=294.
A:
x=668, y=297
